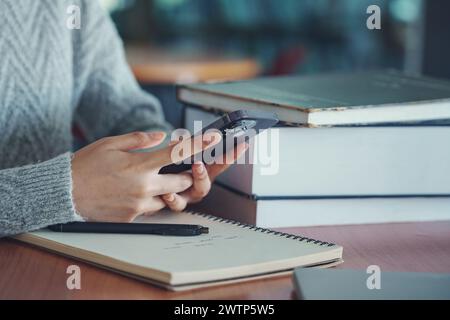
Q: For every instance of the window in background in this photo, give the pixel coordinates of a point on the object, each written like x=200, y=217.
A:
x=288, y=36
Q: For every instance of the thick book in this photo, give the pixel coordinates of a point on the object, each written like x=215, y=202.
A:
x=231, y=252
x=330, y=99
x=341, y=162
x=303, y=212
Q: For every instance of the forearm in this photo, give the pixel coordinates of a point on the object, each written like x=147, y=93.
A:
x=35, y=196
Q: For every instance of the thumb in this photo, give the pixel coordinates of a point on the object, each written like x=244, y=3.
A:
x=136, y=140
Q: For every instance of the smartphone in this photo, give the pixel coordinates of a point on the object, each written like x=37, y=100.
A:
x=234, y=125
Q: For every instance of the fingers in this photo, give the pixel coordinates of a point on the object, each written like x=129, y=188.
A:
x=155, y=206
x=240, y=150
x=133, y=208
x=134, y=140
x=149, y=206
x=183, y=150
x=172, y=183
x=175, y=202
x=202, y=182
x=216, y=169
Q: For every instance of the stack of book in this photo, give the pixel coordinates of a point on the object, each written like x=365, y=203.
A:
x=352, y=148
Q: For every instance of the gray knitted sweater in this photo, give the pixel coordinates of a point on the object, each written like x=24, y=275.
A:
x=51, y=77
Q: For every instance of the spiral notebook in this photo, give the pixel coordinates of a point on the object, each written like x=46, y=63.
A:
x=231, y=252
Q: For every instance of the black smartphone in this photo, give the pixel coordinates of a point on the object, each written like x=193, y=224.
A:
x=234, y=125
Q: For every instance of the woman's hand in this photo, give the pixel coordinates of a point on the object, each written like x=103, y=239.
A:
x=112, y=184
x=202, y=178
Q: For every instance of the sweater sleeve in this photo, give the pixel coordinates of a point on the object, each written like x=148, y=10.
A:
x=111, y=101
x=35, y=196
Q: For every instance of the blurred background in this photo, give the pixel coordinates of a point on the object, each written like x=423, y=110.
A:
x=182, y=41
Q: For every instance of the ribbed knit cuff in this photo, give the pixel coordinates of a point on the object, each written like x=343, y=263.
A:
x=47, y=193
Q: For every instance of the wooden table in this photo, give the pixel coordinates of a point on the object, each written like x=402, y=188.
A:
x=29, y=273
x=163, y=66
x=158, y=70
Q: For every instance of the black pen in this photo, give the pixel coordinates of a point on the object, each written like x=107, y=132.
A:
x=181, y=230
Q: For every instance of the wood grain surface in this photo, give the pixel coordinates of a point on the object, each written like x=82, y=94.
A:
x=30, y=273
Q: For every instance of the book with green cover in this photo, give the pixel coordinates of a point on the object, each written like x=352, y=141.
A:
x=330, y=99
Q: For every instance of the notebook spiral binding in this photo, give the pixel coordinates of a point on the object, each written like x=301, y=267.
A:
x=263, y=230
